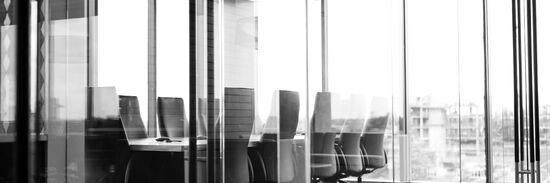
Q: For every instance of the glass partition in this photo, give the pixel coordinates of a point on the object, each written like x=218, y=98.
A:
x=66, y=93
x=270, y=91
x=264, y=80
x=122, y=49
x=8, y=92
x=501, y=78
x=360, y=50
x=543, y=26
x=432, y=122
x=470, y=113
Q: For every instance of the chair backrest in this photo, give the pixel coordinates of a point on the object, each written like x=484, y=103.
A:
x=278, y=154
x=105, y=140
x=239, y=117
x=239, y=113
x=373, y=142
x=351, y=134
x=288, y=109
x=171, y=115
x=372, y=139
x=203, y=110
x=323, y=155
x=131, y=118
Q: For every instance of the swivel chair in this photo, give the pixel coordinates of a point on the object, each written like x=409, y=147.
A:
x=349, y=141
x=142, y=166
x=324, y=164
x=239, y=118
x=372, y=139
x=278, y=140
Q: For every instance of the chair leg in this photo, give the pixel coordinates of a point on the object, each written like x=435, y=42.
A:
x=359, y=180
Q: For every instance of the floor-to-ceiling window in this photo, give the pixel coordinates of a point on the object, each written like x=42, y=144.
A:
x=277, y=91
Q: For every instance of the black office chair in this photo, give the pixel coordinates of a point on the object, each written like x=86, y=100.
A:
x=286, y=121
x=372, y=140
x=372, y=144
x=324, y=164
x=239, y=118
x=172, y=124
x=142, y=166
x=171, y=116
x=351, y=161
x=106, y=150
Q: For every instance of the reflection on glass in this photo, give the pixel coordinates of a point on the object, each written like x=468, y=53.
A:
x=360, y=55
x=7, y=91
x=260, y=55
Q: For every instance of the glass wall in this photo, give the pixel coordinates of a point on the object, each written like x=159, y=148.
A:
x=265, y=67
x=433, y=45
x=501, y=78
x=268, y=91
x=65, y=95
x=122, y=49
x=446, y=91
x=8, y=83
x=543, y=40
x=360, y=78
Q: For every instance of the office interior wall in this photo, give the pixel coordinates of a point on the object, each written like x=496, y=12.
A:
x=66, y=95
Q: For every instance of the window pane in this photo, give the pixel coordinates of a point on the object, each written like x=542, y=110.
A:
x=173, y=52
x=7, y=91
x=361, y=50
x=122, y=49
x=267, y=62
x=501, y=79
x=471, y=114
x=433, y=90
x=543, y=26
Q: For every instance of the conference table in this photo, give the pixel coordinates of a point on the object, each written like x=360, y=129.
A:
x=182, y=144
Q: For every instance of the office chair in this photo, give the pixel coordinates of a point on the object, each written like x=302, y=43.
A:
x=203, y=118
x=142, y=166
x=351, y=161
x=106, y=151
x=323, y=155
x=239, y=117
x=372, y=145
x=171, y=116
x=172, y=124
x=284, y=124
x=372, y=139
